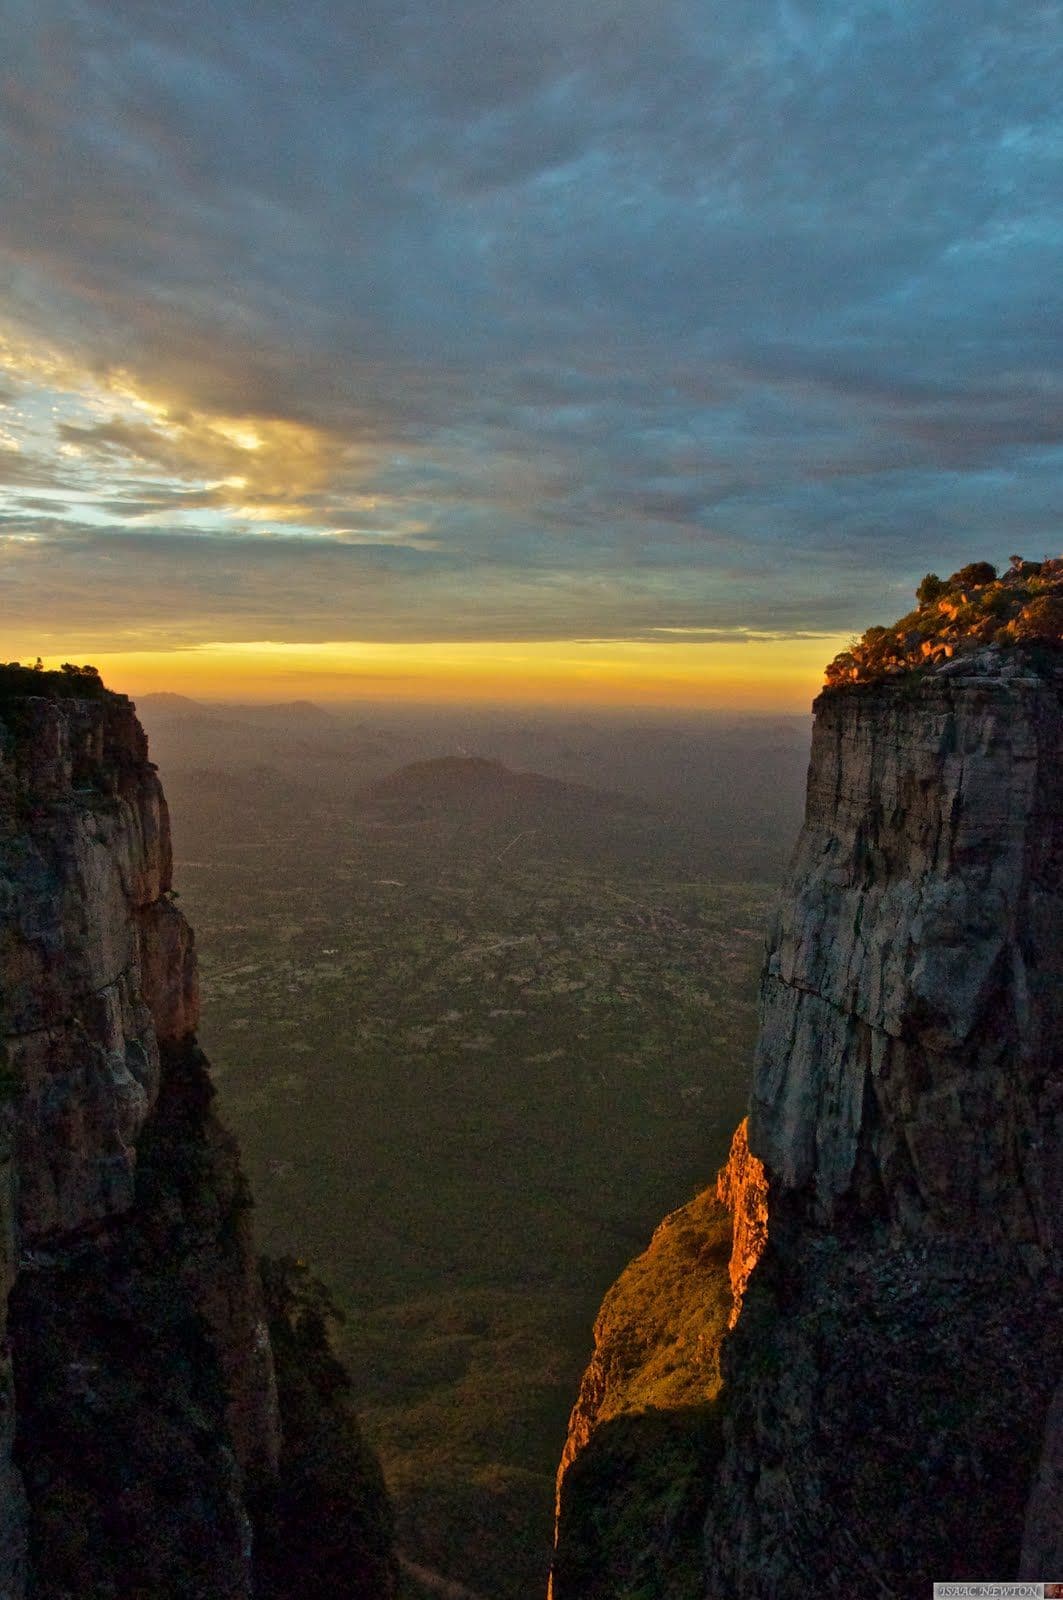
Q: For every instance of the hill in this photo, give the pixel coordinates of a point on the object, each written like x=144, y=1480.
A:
x=425, y=787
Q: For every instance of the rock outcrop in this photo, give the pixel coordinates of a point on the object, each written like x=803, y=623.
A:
x=912, y=1003
x=889, y=1411
x=139, y=1419
x=644, y=1433
x=742, y=1188
x=642, y=1438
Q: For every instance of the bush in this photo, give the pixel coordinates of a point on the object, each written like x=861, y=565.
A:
x=973, y=576
x=972, y=609
x=70, y=682
x=1040, y=619
x=931, y=588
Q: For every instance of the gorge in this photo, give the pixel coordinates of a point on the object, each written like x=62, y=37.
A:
x=835, y=1371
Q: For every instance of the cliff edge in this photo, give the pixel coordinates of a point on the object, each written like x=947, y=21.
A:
x=889, y=1412
x=142, y=1446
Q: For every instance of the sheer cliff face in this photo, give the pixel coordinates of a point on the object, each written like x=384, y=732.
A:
x=138, y=1404
x=912, y=1004
x=895, y=1361
x=97, y=964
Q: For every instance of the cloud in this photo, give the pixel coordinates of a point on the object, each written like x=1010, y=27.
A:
x=592, y=306
x=100, y=588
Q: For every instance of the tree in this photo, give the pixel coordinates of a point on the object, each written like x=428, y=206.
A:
x=931, y=588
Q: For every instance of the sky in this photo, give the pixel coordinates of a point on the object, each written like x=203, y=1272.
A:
x=632, y=350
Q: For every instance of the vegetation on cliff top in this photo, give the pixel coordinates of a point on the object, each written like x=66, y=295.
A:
x=69, y=683
x=957, y=616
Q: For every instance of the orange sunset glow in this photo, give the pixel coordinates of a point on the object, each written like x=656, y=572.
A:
x=758, y=676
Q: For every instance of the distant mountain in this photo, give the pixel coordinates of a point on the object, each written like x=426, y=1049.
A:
x=426, y=787
x=164, y=703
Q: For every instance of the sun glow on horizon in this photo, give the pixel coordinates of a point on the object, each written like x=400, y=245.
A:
x=755, y=674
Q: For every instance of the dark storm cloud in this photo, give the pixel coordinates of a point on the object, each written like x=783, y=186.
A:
x=626, y=295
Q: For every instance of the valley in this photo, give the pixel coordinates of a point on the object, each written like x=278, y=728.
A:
x=476, y=1033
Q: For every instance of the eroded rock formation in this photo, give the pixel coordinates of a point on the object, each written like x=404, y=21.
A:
x=139, y=1421
x=742, y=1188
x=643, y=1436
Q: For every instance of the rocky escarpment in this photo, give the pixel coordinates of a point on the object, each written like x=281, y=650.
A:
x=912, y=1002
x=895, y=1361
x=889, y=1412
x=140, y=1433
x=742, y=1189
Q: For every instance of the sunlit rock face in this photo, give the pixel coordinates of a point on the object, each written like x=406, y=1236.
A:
x=742, y=1187
x=643, y=1436
x=137, y=1403
x=893, y=1365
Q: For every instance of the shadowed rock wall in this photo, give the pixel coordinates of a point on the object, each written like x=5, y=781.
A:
x=142, y=1367
x=140, y=1433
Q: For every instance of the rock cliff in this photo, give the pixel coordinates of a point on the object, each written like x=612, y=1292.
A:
x=890, y=1405
x=140, y=1432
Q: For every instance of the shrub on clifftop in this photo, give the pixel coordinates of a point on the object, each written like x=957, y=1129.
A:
x=960, y=615
x=69, y=683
